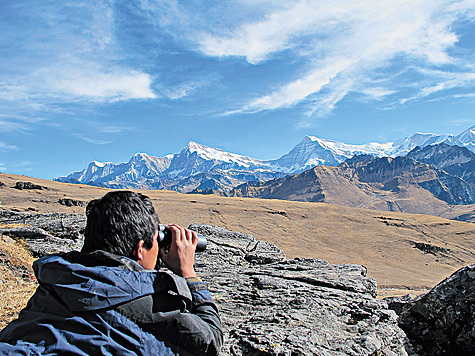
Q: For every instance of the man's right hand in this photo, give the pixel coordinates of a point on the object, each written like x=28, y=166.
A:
x=181, y=255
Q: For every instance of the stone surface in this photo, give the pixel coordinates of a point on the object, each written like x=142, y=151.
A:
x=268, y=305
x=44, y=233
x=293, y=307
x=71, y=202
x=442, y=322
x=29, y=185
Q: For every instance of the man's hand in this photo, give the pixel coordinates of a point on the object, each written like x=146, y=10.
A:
x=181, y=256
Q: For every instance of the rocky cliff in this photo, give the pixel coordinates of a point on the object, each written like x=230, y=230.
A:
x=269, y=305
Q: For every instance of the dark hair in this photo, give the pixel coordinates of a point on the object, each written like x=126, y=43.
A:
x=118, y=221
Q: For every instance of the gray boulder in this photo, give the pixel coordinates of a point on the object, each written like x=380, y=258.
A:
x=29, y=185
x=71, y=202
x=45, y=233
x=273, y=306
x=442, y=322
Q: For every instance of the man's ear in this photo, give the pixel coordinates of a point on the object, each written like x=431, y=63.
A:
x=140, y=248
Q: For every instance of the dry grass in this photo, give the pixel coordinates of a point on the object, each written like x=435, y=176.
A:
x=380, y=240
x=11, y=226
x=17, y=280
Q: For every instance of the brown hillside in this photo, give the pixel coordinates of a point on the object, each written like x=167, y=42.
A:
x=402, y=251
x=379, y=185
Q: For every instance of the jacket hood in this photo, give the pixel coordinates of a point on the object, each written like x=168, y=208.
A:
x=98, y=280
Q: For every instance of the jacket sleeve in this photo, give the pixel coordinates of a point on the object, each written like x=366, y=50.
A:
x=210, y=338
x=190, y=330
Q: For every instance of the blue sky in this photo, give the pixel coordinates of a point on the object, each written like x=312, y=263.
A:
x=102, y=80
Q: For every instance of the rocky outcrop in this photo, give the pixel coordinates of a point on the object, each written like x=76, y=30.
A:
x=442, y=322
x=44, y=233
x=269, y=305
x=29, y=185
x=273, y=306
x=71, y=202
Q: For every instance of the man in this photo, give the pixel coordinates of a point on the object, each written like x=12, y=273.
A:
x=109, y=300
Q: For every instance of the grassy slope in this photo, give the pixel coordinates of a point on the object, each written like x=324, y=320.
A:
x=382, y=241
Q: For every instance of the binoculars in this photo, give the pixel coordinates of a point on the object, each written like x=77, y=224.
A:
x=165, y=239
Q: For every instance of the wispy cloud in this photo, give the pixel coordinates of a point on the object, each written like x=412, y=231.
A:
x=71, y=54
x=184, y=89
x=440, y=81
x=19, y=123
x=462, y=122
x=23, y=165
x=93, y=140
x=100, y=133
x=300, y=89
x=388, y=51
x=348, y=42
x=103, y=86
x=4, y=146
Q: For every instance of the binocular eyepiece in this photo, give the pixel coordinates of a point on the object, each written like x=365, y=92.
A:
x=165, y=239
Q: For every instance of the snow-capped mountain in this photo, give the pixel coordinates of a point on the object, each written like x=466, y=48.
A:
x=140, y=168
x=209, y=167
x=201, y=167
x=313, y=151
x=196, y=158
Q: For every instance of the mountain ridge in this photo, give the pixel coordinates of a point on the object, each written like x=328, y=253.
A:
x=415, y=183
x=175, y=171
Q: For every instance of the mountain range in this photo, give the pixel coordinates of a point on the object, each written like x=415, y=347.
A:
x=430, y=180
x=198, y=168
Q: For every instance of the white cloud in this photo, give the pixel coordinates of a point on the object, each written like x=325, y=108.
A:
x=441, y=81
x=462, y=122
x=18, y=123
x=184, y=89
x=4, y=146
x=106, y=86
x=72, y=54
x=11, y=126
x=300, y=89
x=354, y=40
x=23, y=165
x=93, y=140
x=68, y=83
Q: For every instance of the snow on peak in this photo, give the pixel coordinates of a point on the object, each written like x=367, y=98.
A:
x=140, y=156
x=468, y=136
x=217, y=154
x=99, y=164
x=348, y=150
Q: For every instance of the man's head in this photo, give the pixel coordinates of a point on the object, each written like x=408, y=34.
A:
x=118, y=222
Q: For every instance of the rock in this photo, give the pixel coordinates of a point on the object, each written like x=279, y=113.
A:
x=45, y=233
x=245, y=246
x=398, y=304
x=442, y=322
x=428, y=248
x=71, y=202
x=268, y=305
x=273, y=306
x=7, y=239
x=29, y=185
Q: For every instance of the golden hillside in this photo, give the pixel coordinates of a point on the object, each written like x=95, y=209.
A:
x=384, y=242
